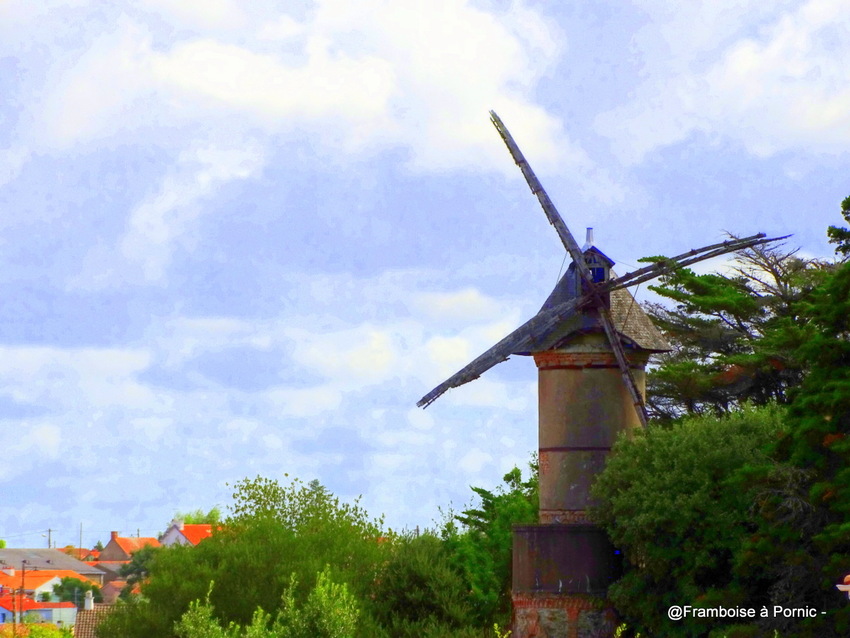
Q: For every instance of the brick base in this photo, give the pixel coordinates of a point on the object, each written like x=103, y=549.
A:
x=562, y=616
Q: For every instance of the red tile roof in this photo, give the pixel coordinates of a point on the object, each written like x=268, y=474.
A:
x=32, y=580
x=132, y=544
x=196, y=533
x=38, y=577
x=88, y=619
x=17, y=602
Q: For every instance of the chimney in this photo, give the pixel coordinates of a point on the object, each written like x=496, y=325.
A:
x=115, y=536
x=88, y=604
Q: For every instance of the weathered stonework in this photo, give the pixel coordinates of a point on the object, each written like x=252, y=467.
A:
x=563, y=517
x=564, y=565
x=562, y=616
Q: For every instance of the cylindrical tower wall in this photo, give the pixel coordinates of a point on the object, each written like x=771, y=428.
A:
x=583, y=405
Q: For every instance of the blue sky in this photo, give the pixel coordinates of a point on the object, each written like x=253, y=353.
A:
x=244, y=238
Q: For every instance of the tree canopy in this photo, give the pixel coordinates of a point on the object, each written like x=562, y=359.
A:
x=735, y=335
x=672, y=500
x=74, y=590
x=200, y=517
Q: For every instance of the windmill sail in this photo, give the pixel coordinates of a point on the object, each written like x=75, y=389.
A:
x=596, y=297
x=580, y=303
x=520, y=341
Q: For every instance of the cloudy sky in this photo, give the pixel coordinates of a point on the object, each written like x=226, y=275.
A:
x=244, y=238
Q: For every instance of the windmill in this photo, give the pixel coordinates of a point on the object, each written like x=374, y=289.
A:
x=591, y=342
x=536, y=333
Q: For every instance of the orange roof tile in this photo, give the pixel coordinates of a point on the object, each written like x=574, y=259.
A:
x=17, y=603
x=196, y=533
x=30, y=581
x=132, y=544
x=37, y=577
x=88, y=619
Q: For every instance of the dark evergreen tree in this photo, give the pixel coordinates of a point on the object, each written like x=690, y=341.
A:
x=735, y=336
x=840, y=235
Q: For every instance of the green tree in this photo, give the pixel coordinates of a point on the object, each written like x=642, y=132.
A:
x=840, y=235
x=330, y=611
x=419, y=590
x=74, y=590
x=274, y=531
x=199, y=517
x=802, y=547
x=481, y=545
x=735, y=336
x=136, y=571
x=673, y=500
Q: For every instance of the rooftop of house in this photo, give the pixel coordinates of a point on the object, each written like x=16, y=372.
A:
x=13, y=576
x=197, y=532
x=18, y=603
x=29, y=581
x=44, y=559
x=88, y=619
x=80, y=553
x=132, y=544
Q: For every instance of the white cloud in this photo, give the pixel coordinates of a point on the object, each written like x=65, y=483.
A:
x=484, y=392
x=200, y=14
x=101, y=94
x=167, y=219
x=329, y=86
x=44, y=440
x=304, y=402
x=160, y=221
x=356, y=76
x=12, y=160
x=468, y=304
x=770, y=77
x=474, y=461
x=75, y=376
x=420, y=419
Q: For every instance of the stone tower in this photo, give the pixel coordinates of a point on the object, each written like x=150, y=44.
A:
x=563, y=565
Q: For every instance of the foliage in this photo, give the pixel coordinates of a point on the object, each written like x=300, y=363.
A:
x=735, y=336
x=840, y=235
x=274, y=531
x=199, y=517
x=330, y=611
x=671, y=499
x=804, y=512
x=34, y=630
x=136, y=571
x=74, y=590
x=419, y=590
x=481, y=545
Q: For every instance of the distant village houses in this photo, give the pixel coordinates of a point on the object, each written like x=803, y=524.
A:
x=28, y=578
